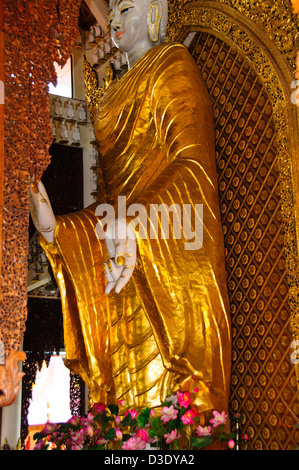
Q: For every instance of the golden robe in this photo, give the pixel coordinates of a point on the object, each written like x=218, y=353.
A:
x=169, y=327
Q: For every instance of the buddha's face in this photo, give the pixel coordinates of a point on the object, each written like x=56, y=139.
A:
x=128, y=20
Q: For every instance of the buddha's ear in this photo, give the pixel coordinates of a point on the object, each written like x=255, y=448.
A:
x=154, y=20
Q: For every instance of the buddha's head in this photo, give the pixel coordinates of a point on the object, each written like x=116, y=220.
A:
x=138, y=24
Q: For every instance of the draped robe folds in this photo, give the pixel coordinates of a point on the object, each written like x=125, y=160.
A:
x=169, y=327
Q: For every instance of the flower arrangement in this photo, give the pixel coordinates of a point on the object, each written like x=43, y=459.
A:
x=106, y=427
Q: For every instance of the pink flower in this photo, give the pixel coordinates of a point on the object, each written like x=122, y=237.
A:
x=195, y=390
x=99, y=407
x=78, y=437
x=187, y=417
x=231, y=444
x=98, y=439
x=90, y=418
x=101, y=441
x=168, y=413
x=132, y=412
x=86, y=421
x=119, y=434
x=183, y=399
x=134, y=443
x=153, y=413
x=203, y=431
x=172, y=436
x=143, y=434
x=49, y=428
x=75, y=447
x=74, y=420
x=219, y=418
x=117, y=420
x=88, y=430
x=122, y=402
x=39, y=444
x=58, y=437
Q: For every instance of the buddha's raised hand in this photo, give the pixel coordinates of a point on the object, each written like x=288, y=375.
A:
x=41, y=210
x=121, y=245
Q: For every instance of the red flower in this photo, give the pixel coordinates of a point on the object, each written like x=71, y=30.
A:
x=184, y=399
x=132, y=412
x=187, y=417
x=99, y=407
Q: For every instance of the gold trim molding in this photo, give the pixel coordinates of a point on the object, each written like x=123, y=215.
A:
x=247, y=27
x=276, y=18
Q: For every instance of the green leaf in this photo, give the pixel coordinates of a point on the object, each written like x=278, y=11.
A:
x=102, y=417
x=144, y=417
x=38, y=436
x=113, y=409
x=110, y=434
x=182, y=411
x=176, y=424
x=94, y=447
x=98, y=418
x=128, y=421
x=201, y=442
x=223, y=438
x=167, y=403
x=157, y=429
x=64, y=427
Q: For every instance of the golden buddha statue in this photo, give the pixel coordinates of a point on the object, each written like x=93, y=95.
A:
x=145, y=314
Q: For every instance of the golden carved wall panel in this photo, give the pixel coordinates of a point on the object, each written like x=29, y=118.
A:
x=259, y=196
x=264, y=388
x=275, y=17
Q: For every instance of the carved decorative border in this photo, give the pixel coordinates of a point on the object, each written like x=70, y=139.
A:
x=276, y=71
x=277, y=18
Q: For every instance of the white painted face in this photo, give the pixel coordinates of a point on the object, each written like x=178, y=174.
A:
x=128, y=20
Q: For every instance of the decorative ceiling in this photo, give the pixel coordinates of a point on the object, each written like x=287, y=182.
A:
x=86, y=17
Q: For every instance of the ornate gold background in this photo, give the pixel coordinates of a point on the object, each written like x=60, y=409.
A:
x=246, y=53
